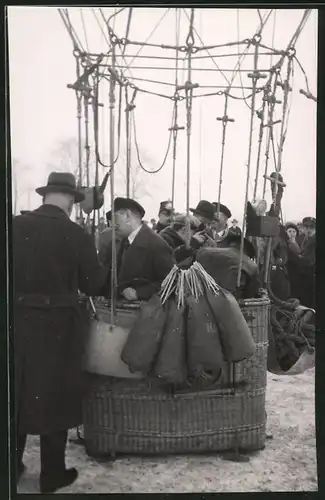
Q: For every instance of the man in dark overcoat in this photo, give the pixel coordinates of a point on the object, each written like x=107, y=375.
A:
x=105, y=241
x=53, y=259
x=144, y=259
x=305, y=264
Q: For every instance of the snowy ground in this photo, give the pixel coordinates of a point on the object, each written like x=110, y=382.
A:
x=288, y=462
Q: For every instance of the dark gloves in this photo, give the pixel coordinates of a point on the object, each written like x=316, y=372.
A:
x=184, y=256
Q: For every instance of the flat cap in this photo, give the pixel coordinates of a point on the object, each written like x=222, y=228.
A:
x=128, y=204
x=309, y=221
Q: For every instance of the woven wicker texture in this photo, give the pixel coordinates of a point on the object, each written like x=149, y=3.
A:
x=141, y=417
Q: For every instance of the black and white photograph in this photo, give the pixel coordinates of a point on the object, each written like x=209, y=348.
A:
x=163, y=248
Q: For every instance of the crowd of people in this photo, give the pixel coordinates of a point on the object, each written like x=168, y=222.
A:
x=54, y=259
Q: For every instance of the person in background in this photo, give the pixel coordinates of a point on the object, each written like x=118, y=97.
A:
x=292, y=232
x=80, y=221
x=102, y=224
x=53, y=259
x=234, y=227
x=175, y=235
x=144, y=259
x=301, y=234
x=220, y=221
x=222, y=263
x=304, y=264
x=165, y=215
x=204, y=213
x=153, y=224
x=105, y=242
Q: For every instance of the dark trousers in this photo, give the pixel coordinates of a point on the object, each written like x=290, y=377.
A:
x=52, y=452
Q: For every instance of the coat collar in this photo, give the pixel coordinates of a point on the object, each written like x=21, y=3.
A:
x=51, y=211
x=134, y=234
x=140, y=239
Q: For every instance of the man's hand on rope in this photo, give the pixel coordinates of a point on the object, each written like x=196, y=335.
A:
x=200, y=237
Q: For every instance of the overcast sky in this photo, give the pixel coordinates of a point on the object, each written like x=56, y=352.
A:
x=43, y=109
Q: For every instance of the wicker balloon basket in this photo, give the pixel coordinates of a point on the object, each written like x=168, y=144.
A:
x=134, y=416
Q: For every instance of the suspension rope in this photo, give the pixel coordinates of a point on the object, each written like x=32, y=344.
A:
x=260, y=115
x=84, y=28
x=138, y=149
x=248, y=42
x=254, y=81
x=76, y=47
x=201, y=41
x=273, y=37
x=143, y=44
x=271, y=102
x=176, y=96
x=100, y=27
x=129, y=107
x=87, y=146
x=128, y=26
x=189, y=103
x=112, y=186
x=73, y=31
x=224, y=119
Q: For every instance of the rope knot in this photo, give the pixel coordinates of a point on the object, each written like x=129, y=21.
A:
x=256, y=40
x=291, y=52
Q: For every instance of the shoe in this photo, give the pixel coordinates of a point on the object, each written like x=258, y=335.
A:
x=50, y=484
x=20, y=471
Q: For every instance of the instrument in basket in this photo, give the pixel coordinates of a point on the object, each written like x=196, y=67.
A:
x=105, y=342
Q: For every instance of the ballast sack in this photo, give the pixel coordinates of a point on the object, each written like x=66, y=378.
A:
x=171, y=362
x=143, y=343
x=204, y=351
x=236, y=338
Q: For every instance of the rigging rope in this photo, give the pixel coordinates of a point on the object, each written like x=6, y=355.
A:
x=87, y=146
x=254, y=81
x=138, y=149
x=176, y=97
x=271, y=102
x=201, y=41
x=224, y=119
x=84, y=29
x=128, y=26
x=112, y=186
x=189, y=103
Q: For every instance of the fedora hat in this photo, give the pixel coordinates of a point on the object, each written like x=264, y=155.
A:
x=61, y=182
x=205, y=209
x=222, y=209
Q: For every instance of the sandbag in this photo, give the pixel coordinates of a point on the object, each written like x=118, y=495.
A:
x=236, y=338
x=171, y=361
x=143, y=343
x=204, y=351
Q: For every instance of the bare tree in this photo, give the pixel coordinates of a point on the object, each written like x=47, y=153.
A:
x=138, y=183
x=21, y=185
x=65, y=157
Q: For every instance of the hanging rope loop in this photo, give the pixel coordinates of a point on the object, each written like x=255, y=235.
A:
x=190, y=41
